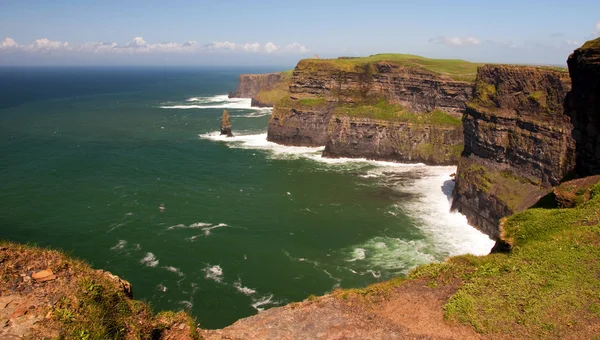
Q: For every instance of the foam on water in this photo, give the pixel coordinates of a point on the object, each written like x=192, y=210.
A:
x=149, y=260
x=220, y=102
x=445, y=233
x=191, y=226
x=120, y=245
x=174, y=270
x=208, y=229
x=244, y=290
x=214, y=273
x=263, y=301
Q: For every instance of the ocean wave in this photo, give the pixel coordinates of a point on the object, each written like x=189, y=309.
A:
x=120, y=245
x=174, y=270
x=191, y=226
x=244, y=290
x=219, y=102
x=149, y=260
x=263, y=301
x=214, y=273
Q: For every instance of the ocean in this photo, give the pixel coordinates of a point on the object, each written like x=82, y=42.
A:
x=89, y=155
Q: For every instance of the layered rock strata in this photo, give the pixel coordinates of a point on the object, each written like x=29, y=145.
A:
x=263, y=89
x=517, y=143
x=314, y=114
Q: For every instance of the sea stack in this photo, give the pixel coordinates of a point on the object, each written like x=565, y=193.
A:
x=226, y=124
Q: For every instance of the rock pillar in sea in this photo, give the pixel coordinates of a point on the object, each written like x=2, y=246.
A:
x=226, y=124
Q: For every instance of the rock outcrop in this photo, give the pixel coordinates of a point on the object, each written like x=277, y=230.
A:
x=517, y=143
x=378, y=107
x=583, y=105
x=226, y=124
x=393, y=141
x=264, y=89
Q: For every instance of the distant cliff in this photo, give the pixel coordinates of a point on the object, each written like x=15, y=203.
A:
x=392, y=107
x=583, y=105
x=264, y=89
x=517, y=143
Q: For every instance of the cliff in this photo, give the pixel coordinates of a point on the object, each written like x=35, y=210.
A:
x=517, y=143
x=264, y=89
x=390, y=100
x=583, y=105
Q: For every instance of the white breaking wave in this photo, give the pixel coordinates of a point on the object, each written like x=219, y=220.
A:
x=263, y=301
x=244, y=290
x=120, y=245
x=174, y=270
x=357, y=254
x=149, y=260
x=214, y=273
x=446, y=233
x=208, y=229
x=220, y=102
x=191, y=226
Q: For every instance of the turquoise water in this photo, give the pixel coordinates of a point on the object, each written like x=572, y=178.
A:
x=90, y=155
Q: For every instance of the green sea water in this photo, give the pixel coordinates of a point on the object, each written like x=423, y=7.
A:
x=88, y=157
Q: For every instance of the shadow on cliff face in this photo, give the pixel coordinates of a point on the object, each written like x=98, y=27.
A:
x=448, y=188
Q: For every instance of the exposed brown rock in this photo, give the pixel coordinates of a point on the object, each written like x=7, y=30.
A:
x=576, y=192
x=583, y=105
x=250, y=84
x=393, y=141
x=43, y=275
x=517, y=142
x=309, y=118
x=226, y=124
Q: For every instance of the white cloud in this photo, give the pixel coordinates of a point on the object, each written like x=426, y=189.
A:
x=597, y=32
x=296, y=48
x=254, y=47
x=455, y=41
x=572, y=42
x=8, y=42
x=221, y=45
x=140, y=45
x=270, y=47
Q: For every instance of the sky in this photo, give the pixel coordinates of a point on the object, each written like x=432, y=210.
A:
x=233, y=32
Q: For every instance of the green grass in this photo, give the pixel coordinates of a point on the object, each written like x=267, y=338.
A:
x=456, y=69
x=392, y=112
x=548, y=286
x=277, y=91
x=592, y=44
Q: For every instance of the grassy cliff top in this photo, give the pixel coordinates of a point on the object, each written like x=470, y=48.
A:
x=75, y=301
x=592, y=44
x=455, y=69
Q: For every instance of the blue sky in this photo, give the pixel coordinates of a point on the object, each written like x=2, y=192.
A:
x=228, y=32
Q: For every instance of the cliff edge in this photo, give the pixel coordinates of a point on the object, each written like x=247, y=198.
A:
x=388, y=107
x=517, y=140
x=583, y=105
x=264, y=89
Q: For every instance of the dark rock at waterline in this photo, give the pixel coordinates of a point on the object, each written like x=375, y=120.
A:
x=226, y=124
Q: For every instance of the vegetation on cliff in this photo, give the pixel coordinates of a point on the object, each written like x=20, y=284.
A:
x=393, y=112
x=75, y=301
x=455, y=69
x=547, y=286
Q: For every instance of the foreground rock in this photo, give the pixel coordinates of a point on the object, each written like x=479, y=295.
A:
x=226, y=124
x=44, y=294
x=518, y=143
x=583, y=105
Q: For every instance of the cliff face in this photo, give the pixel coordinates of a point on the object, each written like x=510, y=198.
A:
x=264, y=89
x=338, y=103
x=393, y=141
x=583, y=105
x=517, y=143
